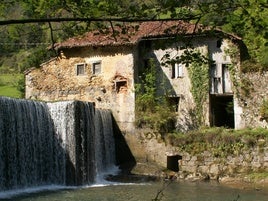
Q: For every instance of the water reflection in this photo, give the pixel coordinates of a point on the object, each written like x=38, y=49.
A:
x=182, y=191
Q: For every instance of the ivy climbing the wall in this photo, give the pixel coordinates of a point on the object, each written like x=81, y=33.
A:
x=198, y=69
x=199, y=76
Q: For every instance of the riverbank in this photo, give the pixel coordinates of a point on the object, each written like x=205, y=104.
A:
x=233, y=158
x=152, y=171
x=152, y=190
x=244, y=182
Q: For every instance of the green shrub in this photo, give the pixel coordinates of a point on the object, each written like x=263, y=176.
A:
x=219, y=141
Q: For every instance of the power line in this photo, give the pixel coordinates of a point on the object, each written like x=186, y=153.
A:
x=31, y=44
x=24, y=21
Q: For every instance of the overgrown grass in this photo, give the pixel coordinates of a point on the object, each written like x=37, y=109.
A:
x=219, y=141
x=257, y=176
x=10, y=85
x=10, y=91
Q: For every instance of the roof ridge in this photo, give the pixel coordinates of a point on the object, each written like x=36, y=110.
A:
x=118, y=35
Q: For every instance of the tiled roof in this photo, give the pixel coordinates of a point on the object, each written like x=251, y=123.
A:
x=131, y=33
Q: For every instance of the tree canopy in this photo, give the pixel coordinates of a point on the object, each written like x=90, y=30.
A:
x=25, y=42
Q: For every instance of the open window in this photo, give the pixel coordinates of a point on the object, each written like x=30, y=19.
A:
x=81, y=69
x=120, y=86
x=220, y=79
x=177, y=70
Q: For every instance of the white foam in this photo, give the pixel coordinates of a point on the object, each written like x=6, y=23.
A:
x=17, y=192
x=20, y=192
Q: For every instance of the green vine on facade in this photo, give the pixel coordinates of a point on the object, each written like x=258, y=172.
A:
x=199, y=76
x=198, y=69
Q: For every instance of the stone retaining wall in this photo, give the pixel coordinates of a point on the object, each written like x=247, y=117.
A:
x=205, y=165
x=151, y=150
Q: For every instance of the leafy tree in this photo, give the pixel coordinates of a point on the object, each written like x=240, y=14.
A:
x=245, y=18
x=249, y=20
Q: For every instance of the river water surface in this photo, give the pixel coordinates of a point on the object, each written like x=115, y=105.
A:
x=175, y=191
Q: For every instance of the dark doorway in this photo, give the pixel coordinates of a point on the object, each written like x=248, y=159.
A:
x=174, y=103
x=222, y=111
x=173, y=162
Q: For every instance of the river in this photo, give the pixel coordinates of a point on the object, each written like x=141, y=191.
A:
x=174, y=191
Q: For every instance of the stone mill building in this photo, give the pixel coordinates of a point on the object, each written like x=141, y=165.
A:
x=103, y=67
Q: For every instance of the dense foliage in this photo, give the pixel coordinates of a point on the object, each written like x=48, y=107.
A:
x=26, y=45
x=245, y=18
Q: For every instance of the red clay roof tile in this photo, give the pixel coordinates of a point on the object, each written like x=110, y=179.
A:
x=129, y=34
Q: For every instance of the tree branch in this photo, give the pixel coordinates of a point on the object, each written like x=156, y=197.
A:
x=46, y=20
x=52, y=37
x=114, y=33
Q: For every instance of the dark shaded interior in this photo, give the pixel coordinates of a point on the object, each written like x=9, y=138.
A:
x=172, y=162
x=222, y=111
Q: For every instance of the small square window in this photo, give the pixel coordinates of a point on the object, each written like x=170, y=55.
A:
x=80, y=69
x=96, y=68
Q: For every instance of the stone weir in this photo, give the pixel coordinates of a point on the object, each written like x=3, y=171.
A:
x=61, y=143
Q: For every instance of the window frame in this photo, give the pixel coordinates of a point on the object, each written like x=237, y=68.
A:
x=177, y=71
x=79, y=71
x=93, y=67
x=119, y=84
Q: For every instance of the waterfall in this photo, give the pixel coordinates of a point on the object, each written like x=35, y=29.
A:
x=105, y=149
x=62, y=143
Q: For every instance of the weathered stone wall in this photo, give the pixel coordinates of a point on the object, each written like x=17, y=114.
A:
x=58, y=80
x=178, y=87
x=251, y=101
x=205, y=165
x=181, y=86
x=149, y=148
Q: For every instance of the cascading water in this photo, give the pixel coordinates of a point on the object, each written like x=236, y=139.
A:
x=63, y=143
x=105, y=149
